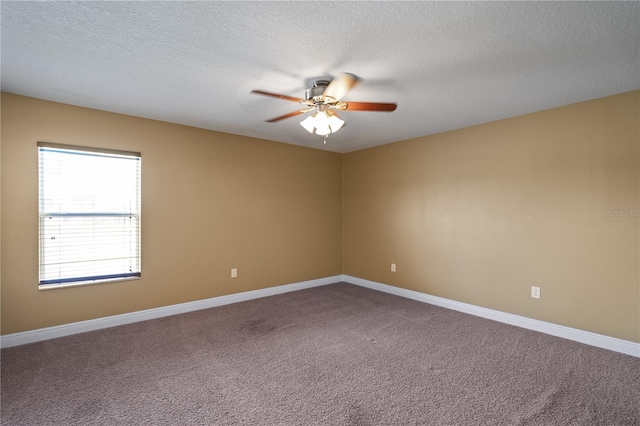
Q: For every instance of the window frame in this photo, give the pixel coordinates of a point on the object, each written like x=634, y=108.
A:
x=135, y=273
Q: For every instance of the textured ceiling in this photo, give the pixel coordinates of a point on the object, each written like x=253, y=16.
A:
x=448, y=65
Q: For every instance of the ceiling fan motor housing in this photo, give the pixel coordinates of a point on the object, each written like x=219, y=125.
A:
x=318, y=89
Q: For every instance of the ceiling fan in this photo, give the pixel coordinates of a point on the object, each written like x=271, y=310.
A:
x=324, y=97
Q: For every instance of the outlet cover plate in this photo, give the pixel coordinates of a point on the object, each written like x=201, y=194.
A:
x=535, y=292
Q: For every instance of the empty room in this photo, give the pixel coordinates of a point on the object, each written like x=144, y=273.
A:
x=320, y=213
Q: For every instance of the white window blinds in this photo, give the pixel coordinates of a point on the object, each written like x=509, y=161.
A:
x=89, y=214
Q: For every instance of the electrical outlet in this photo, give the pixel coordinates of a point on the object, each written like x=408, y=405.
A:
x=393, y=267
x=535, y=292
x=234, y=272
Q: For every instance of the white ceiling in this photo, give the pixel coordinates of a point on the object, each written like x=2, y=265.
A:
x=447, y=65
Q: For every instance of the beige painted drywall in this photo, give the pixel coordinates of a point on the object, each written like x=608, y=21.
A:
x=476, y=215
x=210, y=201
x=481, y=214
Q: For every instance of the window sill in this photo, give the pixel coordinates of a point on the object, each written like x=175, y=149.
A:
x=84, y=283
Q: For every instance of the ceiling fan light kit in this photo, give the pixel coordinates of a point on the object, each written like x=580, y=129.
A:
x=324, y=97
x=324, y=121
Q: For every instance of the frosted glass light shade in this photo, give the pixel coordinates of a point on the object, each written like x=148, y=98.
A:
x=335, y=123
x=322, y=123
x=322, y=120
x=323, y=130
x=308, y=123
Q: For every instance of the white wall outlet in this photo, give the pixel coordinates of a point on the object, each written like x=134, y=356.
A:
x=535, y=292
x=234, y=272
x=393, y=267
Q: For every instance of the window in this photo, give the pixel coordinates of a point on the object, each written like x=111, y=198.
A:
x=89, y=215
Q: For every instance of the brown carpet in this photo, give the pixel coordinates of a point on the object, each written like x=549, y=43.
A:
x=331, y=355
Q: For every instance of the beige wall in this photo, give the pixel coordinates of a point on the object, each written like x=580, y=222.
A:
x=479, y=215
x=211, y=201
x=476, y=215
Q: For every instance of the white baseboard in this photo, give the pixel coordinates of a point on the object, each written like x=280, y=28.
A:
x=47, y=333
x=593, y=339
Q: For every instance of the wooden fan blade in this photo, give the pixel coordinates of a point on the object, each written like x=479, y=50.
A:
x=276, y=95
x=291, y=114
x=366, y=106
x=340, y=85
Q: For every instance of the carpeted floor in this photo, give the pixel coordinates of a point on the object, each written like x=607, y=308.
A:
x=331, y=355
